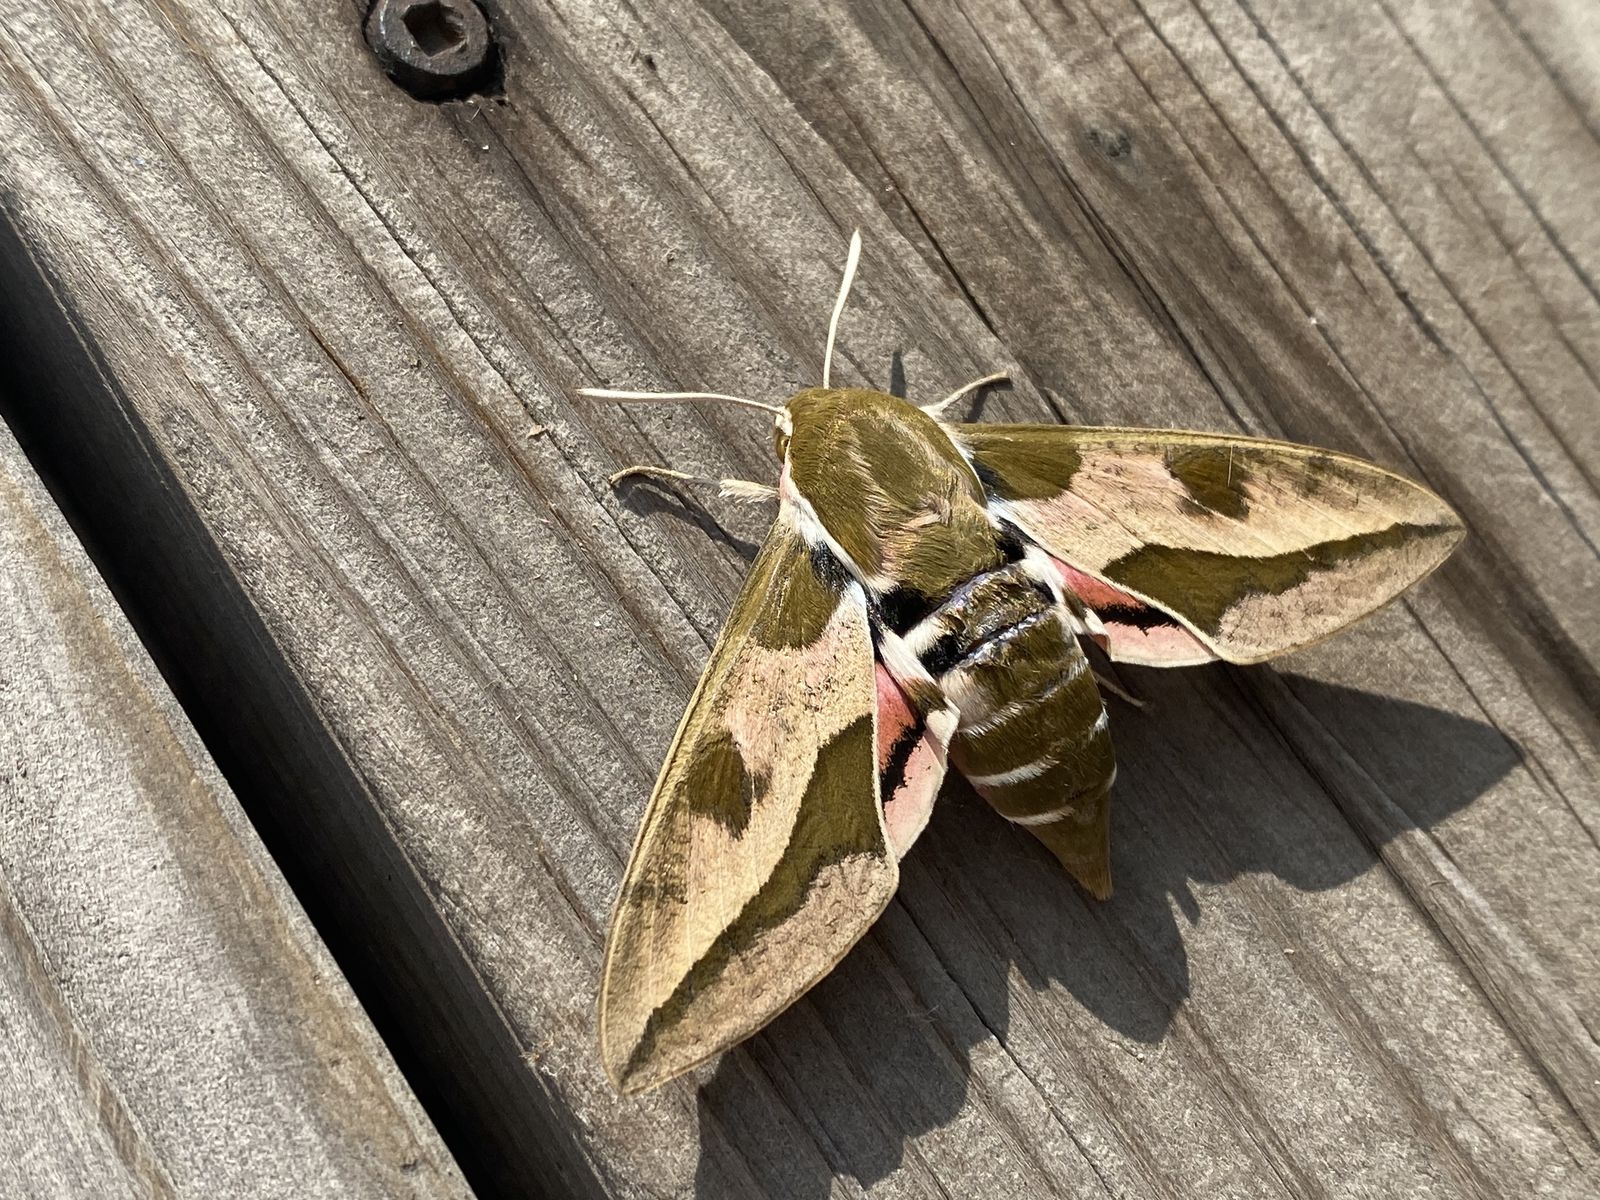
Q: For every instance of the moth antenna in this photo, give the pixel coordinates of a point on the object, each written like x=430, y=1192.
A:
x=850, y=262
x=937, y=409
x=672, y=397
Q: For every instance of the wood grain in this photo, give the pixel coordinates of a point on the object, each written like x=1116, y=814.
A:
x=173, y=1027
x=290, y=341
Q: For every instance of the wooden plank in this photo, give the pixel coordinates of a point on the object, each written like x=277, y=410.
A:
x=310, y=327
x=173, y=1026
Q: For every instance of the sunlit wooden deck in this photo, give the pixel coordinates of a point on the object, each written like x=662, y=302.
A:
x=295, y=354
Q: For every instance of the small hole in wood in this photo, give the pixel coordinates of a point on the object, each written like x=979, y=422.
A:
x=435, y=27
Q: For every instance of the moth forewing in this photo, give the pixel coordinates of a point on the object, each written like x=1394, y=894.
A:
x=1254, y=547
x=763, y=854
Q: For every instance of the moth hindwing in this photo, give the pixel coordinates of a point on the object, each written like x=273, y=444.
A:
x=924, y=596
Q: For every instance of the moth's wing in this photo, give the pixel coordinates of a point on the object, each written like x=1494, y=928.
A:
x=1252, y=547
x=763, y=855
x=913, y=749
x=1131, y=630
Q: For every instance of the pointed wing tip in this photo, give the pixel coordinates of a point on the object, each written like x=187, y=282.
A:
x=1436, y=515
x=1446, y=531
x=616, y=1074
x=627, y=1076
x=629, y=1066
x=632, y=1083
x=1443, y=514
x=632, y=1076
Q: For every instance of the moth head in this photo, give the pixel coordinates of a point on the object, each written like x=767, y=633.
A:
x=782, y=431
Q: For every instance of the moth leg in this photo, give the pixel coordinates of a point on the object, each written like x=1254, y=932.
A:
x=729, y=489
x=937, y=409
x=1117, y=690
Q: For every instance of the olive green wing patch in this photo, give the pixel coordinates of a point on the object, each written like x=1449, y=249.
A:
x=763, y=855
x=1256, y=547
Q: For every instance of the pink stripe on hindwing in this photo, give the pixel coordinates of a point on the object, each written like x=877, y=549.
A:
x=911, y=765
x=1131, y=630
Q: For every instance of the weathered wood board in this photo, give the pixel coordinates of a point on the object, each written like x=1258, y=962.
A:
x=302, y=352
x=172, y=1026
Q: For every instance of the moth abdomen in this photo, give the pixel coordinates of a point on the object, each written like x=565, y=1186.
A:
x=1032, y=738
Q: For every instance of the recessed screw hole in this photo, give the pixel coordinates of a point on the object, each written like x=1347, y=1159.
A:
x=434, y=49
x=435, y=27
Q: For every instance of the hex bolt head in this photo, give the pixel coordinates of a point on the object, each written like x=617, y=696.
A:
x=434, y=49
